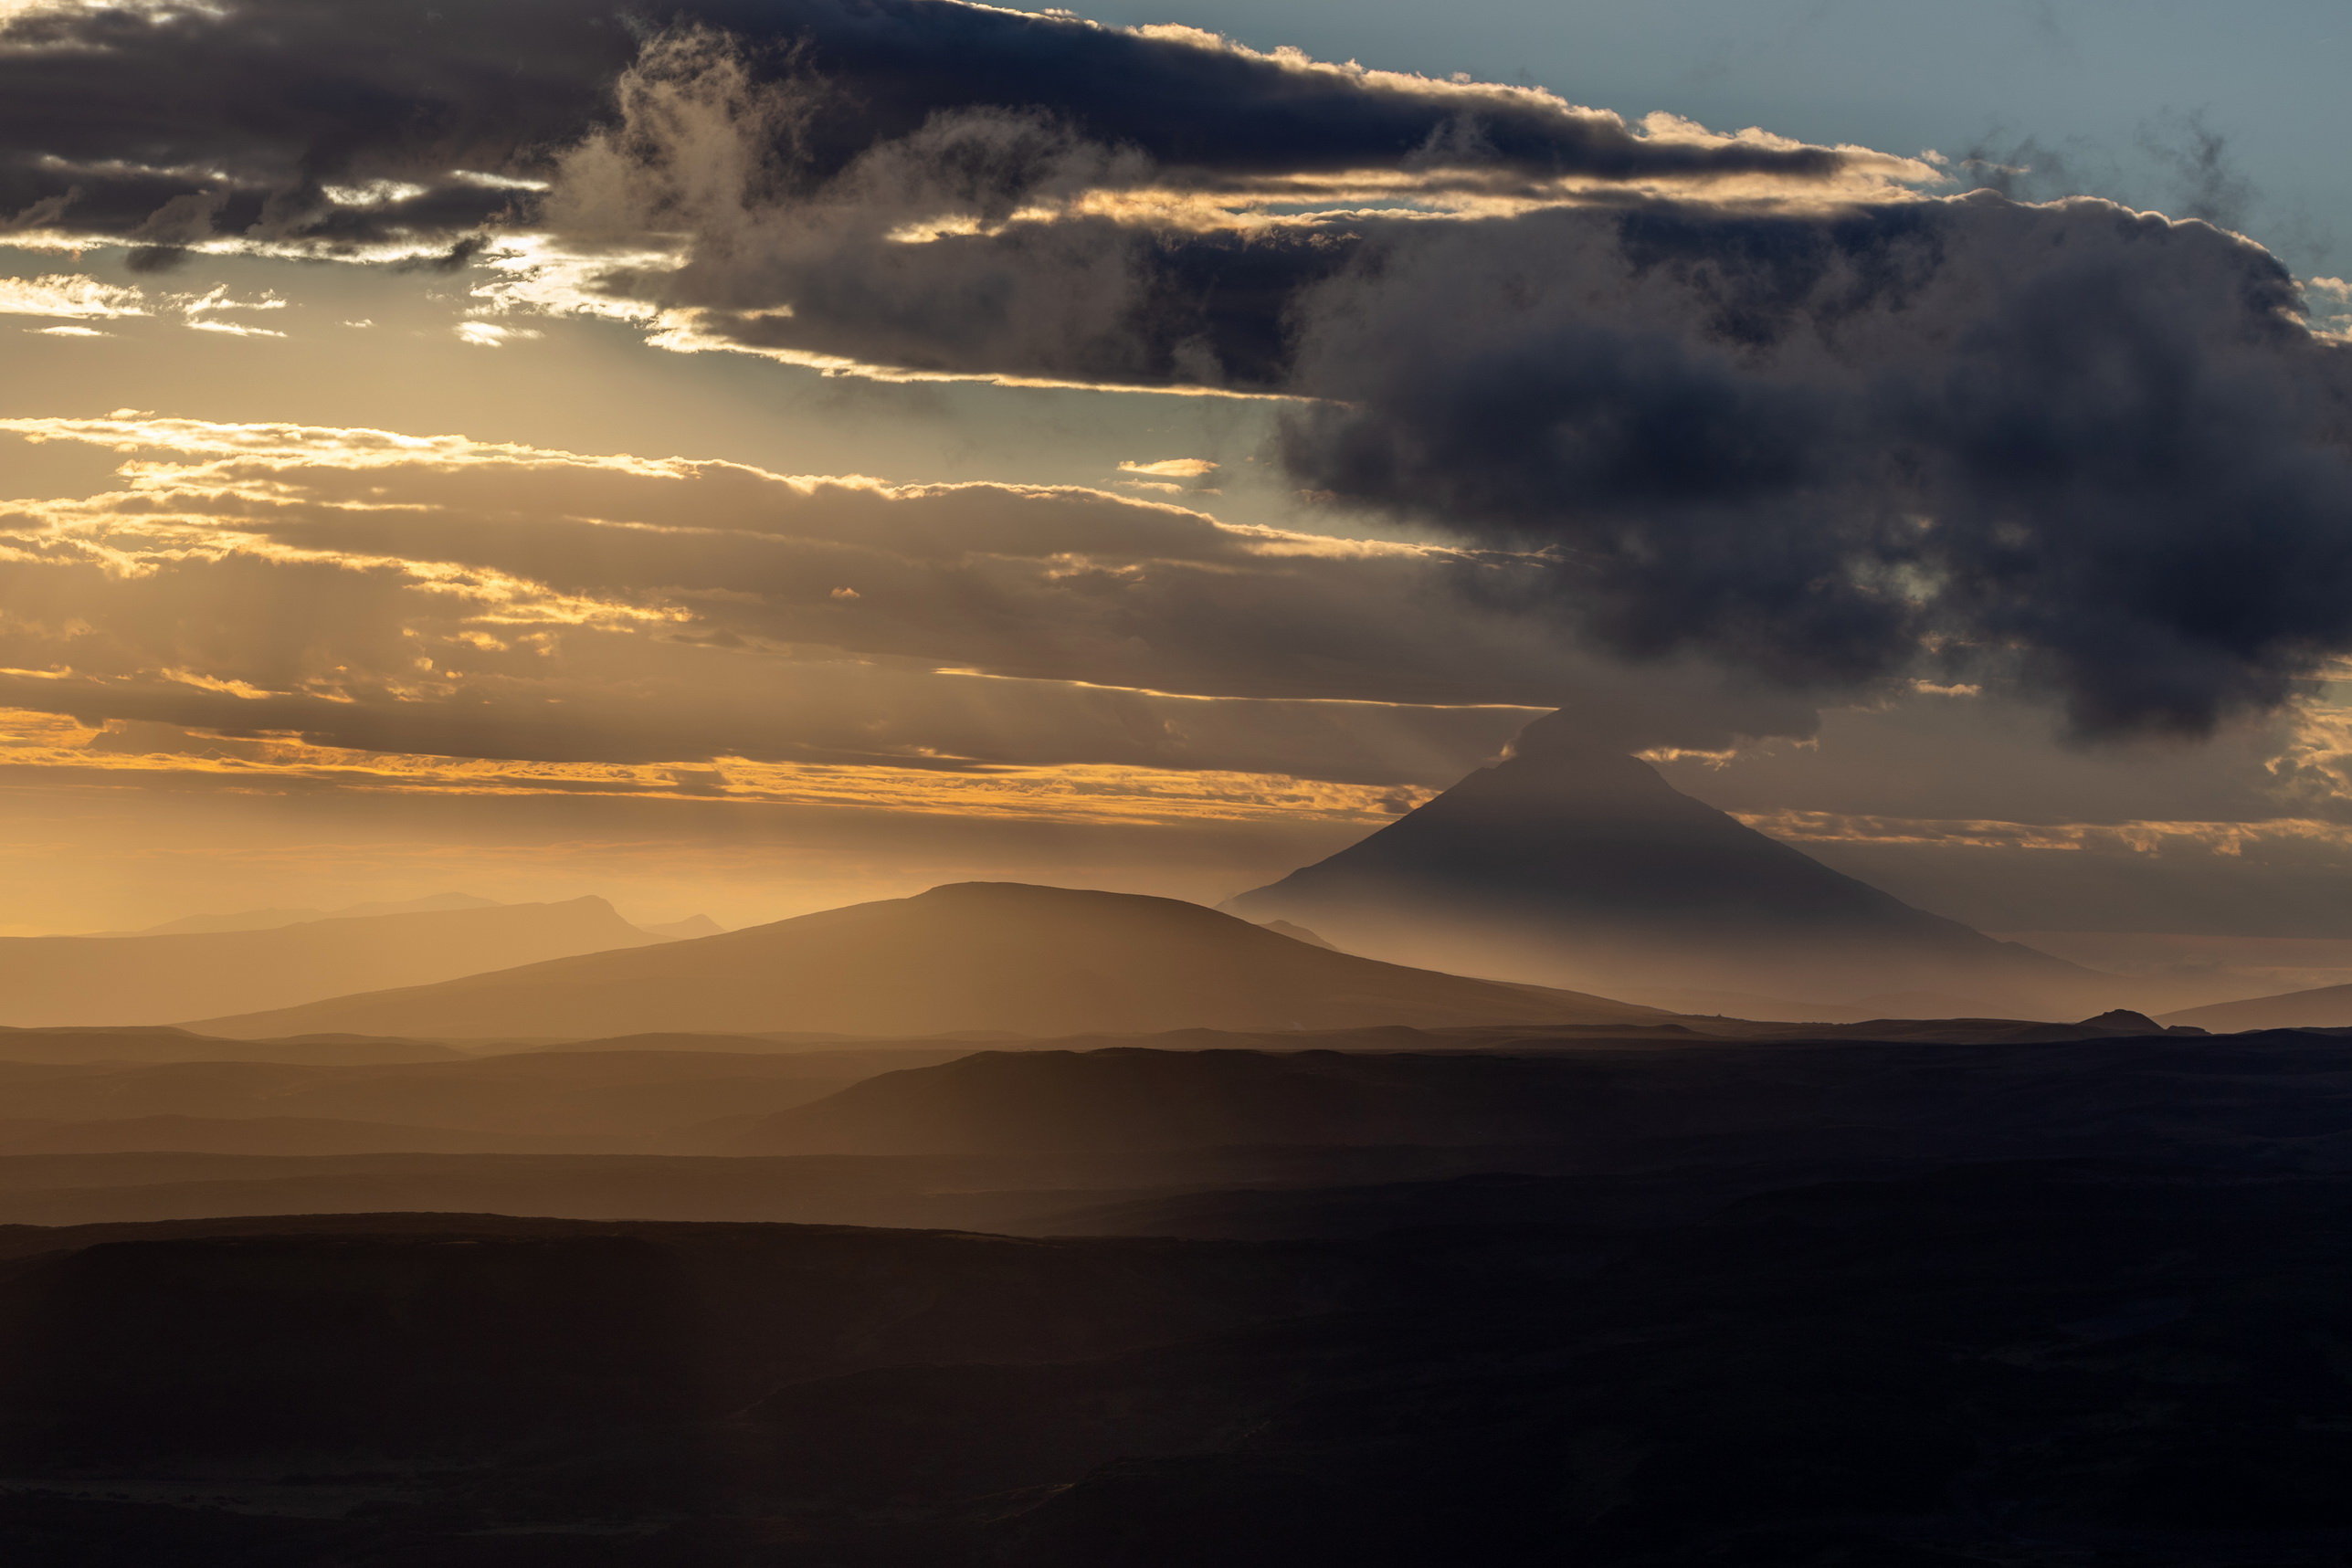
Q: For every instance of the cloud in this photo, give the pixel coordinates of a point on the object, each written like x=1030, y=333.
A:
x=1677, y=394
x=38, y=746
x=78, y=297
x=490, y=334
x=2230, y=839
x=915, y=189
x=1172, y=467
x=366, y=128
x=1063, y=237
x=234, y=329
x=367, y=590
x=2092, y=450
x=1166, y=474
x=1835, y=439
x=74, y=298
x=2330, y=300
x=349, y=131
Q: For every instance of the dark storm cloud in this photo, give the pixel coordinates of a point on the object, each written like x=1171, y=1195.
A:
x=1078, y=300
x=1749, y=400
x=1830, y=441
x=268, y=120
x=2086, y=447
x=170, y=126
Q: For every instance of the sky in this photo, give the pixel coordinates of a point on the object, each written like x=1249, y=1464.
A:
x=755, y=457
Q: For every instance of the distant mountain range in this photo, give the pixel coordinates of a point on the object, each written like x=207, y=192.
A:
x=1570, y=864
x=156, y=1045
x=2324, y=1007
x=270, y=920
x=615, y=1102
x=49, y=981
x=688, y=929
x=970, y=956
x=1565, y=884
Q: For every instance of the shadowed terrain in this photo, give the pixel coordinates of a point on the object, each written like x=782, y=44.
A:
x=1180, y=1127
x=574, y=1100
x=1655, y=1293
x=164, y=1044
x=2037, y=1365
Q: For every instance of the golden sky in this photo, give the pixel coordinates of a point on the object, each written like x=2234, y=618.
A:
x=698, y=487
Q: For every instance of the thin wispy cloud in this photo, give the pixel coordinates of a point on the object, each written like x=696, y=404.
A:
x=74, y=298
x=437, y=595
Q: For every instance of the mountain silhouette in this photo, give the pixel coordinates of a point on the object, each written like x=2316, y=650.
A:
x=2324, y=1007
x=691, y=926
x=59, y=980
x=972, y=956
x=269, y=919
x=1571, y=864
x=1132, y=1098
x=157, y=1043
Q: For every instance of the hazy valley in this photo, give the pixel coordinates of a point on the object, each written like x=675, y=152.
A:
x=1012, y=1224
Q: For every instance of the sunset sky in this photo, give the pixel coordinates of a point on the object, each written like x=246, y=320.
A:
x=748, y=456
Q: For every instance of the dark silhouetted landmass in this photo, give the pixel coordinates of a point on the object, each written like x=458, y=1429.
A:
x=2035, y=1365
x=1161, y=1142
x=615, y=1100
x=82, y=980
x=1026, y=1193
x=1572, y=865
x=999, y=1102
x=2327, y=1007
x=691, y=926
x=971, y=956
x=2106, y=1094
x=271, y=1135
x=1984, y=1293
x=780, y=1043
x=1297, y=933
x=161, y=1043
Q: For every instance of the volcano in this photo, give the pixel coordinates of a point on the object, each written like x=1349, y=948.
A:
x=1568, y=864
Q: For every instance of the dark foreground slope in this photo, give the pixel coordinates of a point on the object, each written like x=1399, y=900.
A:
x=616, y=1101
x=2035, y=1366
x=1572, y=865
x=1619, y=1304
x=159, y=1043
x=1192, y=1141
x=49, y=981
x=1620, y=1104
x=971, y=956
